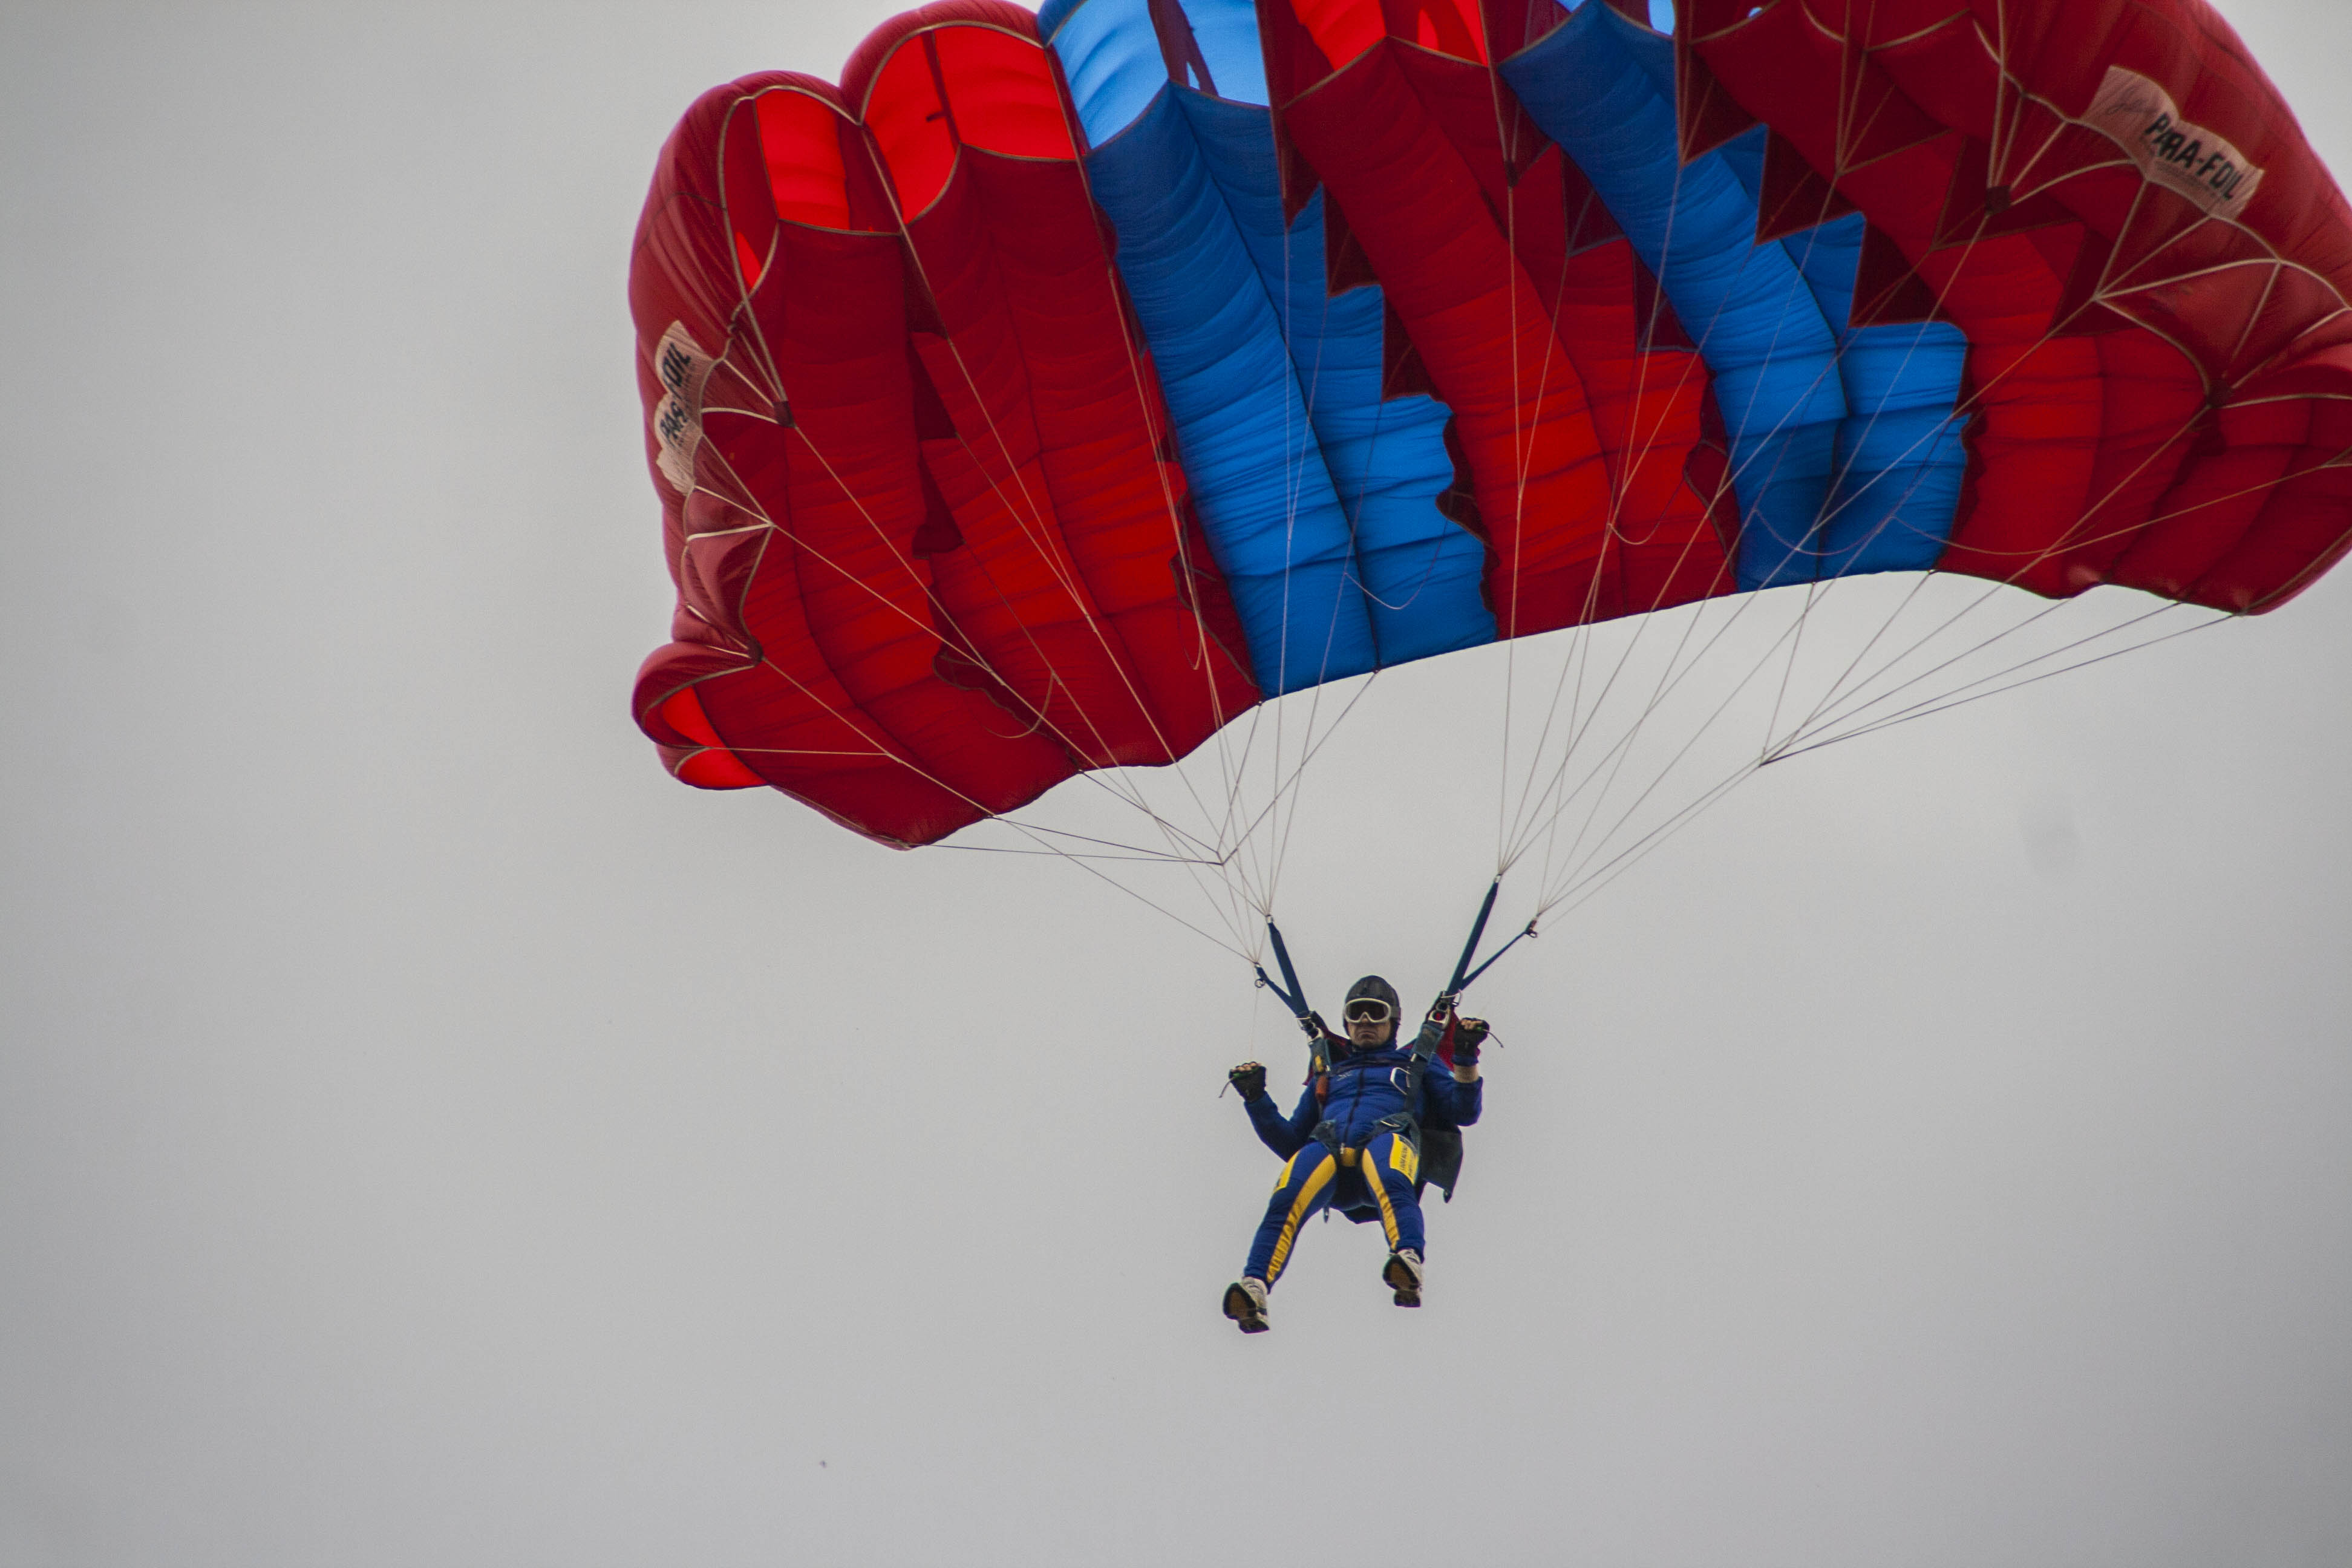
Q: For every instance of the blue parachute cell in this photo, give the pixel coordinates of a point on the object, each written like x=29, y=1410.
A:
x=1318, y=496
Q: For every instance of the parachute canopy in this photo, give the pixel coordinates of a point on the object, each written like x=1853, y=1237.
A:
x=1059, y=386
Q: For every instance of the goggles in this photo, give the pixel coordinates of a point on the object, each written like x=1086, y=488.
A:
x=1369, y=1010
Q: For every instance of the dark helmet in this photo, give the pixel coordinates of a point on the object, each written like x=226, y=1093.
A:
x=1372, y=986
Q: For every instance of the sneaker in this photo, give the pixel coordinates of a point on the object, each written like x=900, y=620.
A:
x=1402, y=1274
x=1246, y=1305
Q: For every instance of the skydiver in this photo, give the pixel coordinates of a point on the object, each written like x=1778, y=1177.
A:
x=1370, y=1114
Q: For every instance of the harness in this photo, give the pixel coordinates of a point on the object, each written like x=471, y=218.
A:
x=1407, y=1121
x=1437, y=1150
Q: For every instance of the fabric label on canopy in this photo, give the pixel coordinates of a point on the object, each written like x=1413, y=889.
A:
x=2176, y=153
x=684, y=368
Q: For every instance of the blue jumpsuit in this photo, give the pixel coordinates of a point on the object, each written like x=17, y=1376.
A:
x=1373, y=1175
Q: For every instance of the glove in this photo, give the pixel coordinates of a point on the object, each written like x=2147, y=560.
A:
x=1468, y=1035
x=1249, y=1077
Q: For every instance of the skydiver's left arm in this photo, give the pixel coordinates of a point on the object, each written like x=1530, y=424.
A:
x=1460, y=1098
x=1285, y=1136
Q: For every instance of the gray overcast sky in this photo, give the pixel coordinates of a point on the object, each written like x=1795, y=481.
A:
x=428, y=1135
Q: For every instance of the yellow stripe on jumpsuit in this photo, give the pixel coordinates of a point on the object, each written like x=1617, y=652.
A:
x=1349, y=1143
x=1380, y=1177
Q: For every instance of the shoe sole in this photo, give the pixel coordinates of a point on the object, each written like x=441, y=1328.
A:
x=1243, y=1311
x=1398, y=1278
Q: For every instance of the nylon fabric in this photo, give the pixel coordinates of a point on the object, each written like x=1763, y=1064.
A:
x=1035, y=403
x=1318, y=494
x=2162, y=390
x=1845, y=453
x=964, y=570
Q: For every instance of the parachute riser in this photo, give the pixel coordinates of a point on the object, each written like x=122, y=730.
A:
x=1463, y=975
x=1293, y=994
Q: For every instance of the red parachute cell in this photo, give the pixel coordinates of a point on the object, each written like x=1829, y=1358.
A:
x=926, y=498
x=932, y=554
x=2160, y=362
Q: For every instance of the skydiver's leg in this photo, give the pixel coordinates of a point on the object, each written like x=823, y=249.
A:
x=1390, y=1163
x=1390, y=1167
x=1303, y=1189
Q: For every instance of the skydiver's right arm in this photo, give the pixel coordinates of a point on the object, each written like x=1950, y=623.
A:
x=1284, y=1136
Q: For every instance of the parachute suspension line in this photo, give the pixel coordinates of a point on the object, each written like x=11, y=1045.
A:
x=742, y=311
x=1828, y=713
x=1577, y=657
x=1936, y=437
x=1580, y=721
x=1128, y=795
x=1582, y=878
x=965, y=644
x=1522, y=452
x=1550, y=805
x=1951, y=699
x=1025, y=515
x=1213, y=851
x=1852, y=704
x=1574, y=892
x=1256, y=860
x=1203, y=647
x=1233, y=890
x=1310, y=392
x=1235, y=773
x=1030, y=518
x=1837, y=686
x=1228, y=891
x=1278, y=817
x=1814, y=590
x=1144, y=857
x=1273, y=855
x=1041, y=538
x=1194, y=869
x=1670, y=677
x=1160, y=436
x=2075, y=536
x=1615, y=760
x=1579, y=642
x=1943, y=700
x=1788, y=670
x=1126, y=851
x=1285, y=813
x=1582, y=887
x=1570, y=877
x=1610, y=766
x=756, y=338
x=1288, y=784
x=1946, y=701
x=1045, y=843
x=1298, y=432
x=1573, y=877
x=1250, y=847
x=1506, y=624
x=1237, y=950
x=1815, y=720
x=1548, y=823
